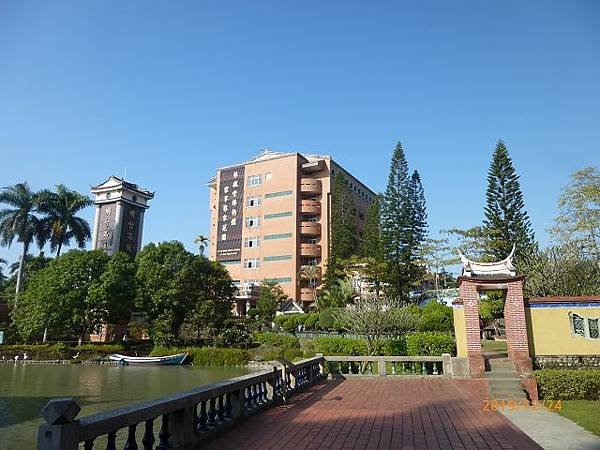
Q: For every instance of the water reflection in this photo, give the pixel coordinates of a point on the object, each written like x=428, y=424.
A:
x=25, y=389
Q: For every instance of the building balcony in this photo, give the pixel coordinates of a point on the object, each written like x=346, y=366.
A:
x=310, y=186
x=310, y=207
x=313, y=250
x=318, y=273
x=310, y=228
x=307, y=294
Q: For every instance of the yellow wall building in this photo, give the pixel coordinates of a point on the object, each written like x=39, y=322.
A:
x=563, y=325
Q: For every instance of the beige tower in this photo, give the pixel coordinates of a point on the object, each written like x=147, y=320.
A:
x=119, y=222
x=271, y=215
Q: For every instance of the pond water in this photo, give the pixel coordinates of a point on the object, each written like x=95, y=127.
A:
x=25, y=389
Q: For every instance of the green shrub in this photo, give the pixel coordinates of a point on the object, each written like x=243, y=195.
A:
x=568, y=384
x=395, y=347
x=340, y=346
x=38, y=351
x=290, y=325
x=429, y=343
x=234, y=337
x=207, y=356
x=311, y=321
x=280, y=320
x=252, y=313
x=436, y=317
x=101, y=349
x=326, y=320
x=277, y=340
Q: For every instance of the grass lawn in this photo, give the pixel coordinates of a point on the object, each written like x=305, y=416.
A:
x=583, y=412
x=489, y=346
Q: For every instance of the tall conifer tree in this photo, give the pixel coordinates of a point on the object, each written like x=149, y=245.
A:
x=417, y=230
x=395, y=221
x=506, y=220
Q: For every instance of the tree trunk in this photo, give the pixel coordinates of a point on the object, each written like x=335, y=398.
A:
x=20, y=274
x=58, y=248
x=45, y=338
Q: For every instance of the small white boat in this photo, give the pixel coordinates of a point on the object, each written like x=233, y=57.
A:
x=168, y=360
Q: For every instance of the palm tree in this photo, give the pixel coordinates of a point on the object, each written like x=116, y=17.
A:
x=202, y=242
x=310, y=273
x=19, y=221
x=61, y=223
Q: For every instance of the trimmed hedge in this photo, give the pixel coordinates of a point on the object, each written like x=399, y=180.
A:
x=59, y=350
x=568, y=384
x=277, y=340
x=430, y=343
x=340, y=346
x=207, y=356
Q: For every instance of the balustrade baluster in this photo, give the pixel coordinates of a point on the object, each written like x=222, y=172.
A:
x=202, y=420
x=393, y=367
x=228, y=406
x=435, y=368
x=164, y=434
x=369, y=368
x=265, y=392
x=247, y=398
x=253, y=396
x=220, y=410
x=89, y=444
x=148, y=439
x=111, y=439
x=424, y=371
x=131, y=443
x=211, y=413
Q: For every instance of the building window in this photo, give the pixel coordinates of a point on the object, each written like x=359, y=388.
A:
x=279, y=280
x=252, y=263
x=278, y=258
x=268, y=176
x=278, y=194
x=309, y=219
x=252, y=222
x=251, y=242
x=361, y=216
x=254, y=180
x=593, y=328
x=268, y=237
x=253, y=201
x=578, y=325
x=278, y=215
x=229, y=263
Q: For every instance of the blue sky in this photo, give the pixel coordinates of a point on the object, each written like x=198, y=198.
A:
x=169, y=91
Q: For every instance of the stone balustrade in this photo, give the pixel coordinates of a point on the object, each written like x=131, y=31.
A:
x=184, y=420
x=430, y=366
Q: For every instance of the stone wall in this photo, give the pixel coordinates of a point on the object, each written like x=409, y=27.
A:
x=567, y=362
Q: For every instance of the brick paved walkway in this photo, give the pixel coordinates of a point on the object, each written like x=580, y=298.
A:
x=380, y=414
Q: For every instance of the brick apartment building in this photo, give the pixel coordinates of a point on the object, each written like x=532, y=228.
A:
x=271, y=215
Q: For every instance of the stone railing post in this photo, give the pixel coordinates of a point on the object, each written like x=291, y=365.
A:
x=447, y=365
x=181, y=427
x=61, y=430
x=321, y=363
x=237, y=404
x=381, y=370
x=272, y=385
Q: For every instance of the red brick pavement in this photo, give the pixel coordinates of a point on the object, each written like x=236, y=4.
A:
x=380, y=413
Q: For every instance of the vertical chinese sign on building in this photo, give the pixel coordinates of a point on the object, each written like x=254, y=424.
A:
x=230, y=223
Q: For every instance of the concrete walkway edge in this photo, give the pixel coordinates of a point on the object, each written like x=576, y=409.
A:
x=551, y=430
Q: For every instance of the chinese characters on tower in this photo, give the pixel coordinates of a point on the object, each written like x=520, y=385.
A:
x=231, y=194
